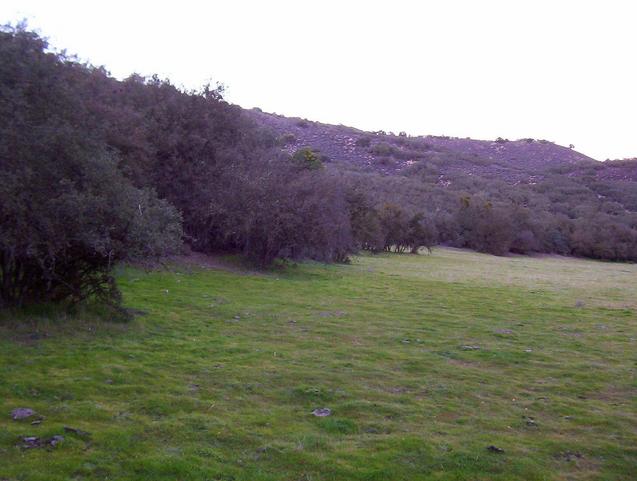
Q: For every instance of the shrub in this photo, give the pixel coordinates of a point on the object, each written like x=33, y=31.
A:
x=382, y=149
x=394, y=224
x=306, y=158
x=421, y=232
x=66, y=226
x=387, y=161
x=363, y=142
x=274, y=212
x=365, y=222
x=485, y=227
x=286, y=139
x=67, y=212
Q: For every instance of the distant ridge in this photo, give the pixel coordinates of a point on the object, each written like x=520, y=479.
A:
x=512, y=161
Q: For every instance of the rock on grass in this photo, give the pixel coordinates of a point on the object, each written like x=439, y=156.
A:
x=22, y=413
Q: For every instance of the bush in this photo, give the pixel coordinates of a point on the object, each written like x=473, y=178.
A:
x=274, y=212
x=68, y=214
x=365, y=222
x=63, y=231
x=363, y=142
x=485, y=227
x=286, y=139
x=306, y=158
x=382, y=149
x=421, y=232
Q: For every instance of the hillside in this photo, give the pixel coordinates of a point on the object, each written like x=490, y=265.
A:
x=96, y=170
x=513, y=161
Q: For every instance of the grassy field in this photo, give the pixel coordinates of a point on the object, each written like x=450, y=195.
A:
x=424, y=361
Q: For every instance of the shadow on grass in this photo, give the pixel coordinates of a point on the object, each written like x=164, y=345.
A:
x=33, y=323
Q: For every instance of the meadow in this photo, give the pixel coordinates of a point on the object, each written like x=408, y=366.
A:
x=449, y=366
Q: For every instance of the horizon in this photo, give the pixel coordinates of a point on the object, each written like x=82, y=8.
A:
x=480, y=75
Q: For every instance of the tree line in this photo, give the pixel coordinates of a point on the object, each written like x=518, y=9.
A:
x=95, y=171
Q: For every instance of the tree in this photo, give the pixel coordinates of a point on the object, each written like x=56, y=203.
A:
x=394, y=224
x=421, y=232
x=484, y=227
x=68, y=214
x=364, y=220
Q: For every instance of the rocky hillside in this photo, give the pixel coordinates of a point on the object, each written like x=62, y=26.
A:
x=618, y=170
x=513, y=161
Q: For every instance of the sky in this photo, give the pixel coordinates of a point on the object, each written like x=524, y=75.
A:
x=560, y=70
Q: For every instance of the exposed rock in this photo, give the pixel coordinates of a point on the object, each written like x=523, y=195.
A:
x=322, y=412
x=504, y=332
x=495, y=449
x=530, y=421
x=31, y=442
x=55, y=440
x=22, y=413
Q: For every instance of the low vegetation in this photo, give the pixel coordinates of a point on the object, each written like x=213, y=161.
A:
x=423, y=361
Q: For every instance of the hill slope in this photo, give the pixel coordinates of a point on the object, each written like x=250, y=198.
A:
x=524, y=160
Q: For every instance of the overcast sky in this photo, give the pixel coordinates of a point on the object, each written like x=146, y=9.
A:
x=560, y=70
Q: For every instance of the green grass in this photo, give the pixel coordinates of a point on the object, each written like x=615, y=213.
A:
x=218, y=379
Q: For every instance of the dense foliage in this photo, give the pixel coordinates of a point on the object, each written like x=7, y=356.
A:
x=68, y=213
x=94, y=170
x=557, y=215
x=501, y=196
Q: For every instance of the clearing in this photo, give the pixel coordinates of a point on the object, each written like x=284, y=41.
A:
x=424, y=361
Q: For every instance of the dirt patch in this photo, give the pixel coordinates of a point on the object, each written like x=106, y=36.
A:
x=447, y=416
